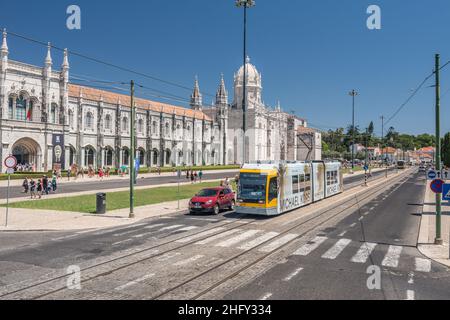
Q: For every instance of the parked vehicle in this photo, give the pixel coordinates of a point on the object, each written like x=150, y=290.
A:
x=212, y=200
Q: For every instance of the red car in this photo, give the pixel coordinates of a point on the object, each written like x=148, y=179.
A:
x=212, y=200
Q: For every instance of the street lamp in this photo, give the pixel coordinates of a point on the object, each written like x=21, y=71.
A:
x=246, y=4
x=353, y=93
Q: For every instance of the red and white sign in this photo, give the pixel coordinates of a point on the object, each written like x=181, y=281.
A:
x=10, y=162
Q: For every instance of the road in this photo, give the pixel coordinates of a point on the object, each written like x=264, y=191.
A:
x=318, y=252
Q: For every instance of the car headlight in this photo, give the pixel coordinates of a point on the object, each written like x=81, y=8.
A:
x=209, y=202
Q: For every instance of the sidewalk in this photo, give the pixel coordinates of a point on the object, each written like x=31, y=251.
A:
x=428, y=229
x=64, y=180
x=44, y=220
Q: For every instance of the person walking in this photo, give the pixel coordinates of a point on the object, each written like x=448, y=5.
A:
x=100, y=173
x=33, y=189
x=226, y=183
x=192, y=178
x=25, y=185
x=68, y=174
x=54, y=183
x=39, y=188
x=45, y=184
x=200, y=175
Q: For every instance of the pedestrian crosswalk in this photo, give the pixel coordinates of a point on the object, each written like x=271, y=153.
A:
x=263, y=241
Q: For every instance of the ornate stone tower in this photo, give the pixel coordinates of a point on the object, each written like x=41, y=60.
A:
x=222, y=117
x=253, y=88
x=196, y=97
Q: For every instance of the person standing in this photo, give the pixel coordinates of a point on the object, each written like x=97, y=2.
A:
x=68, y=174
x=100, y=173
x=54, y=183
x=39, y=188
x=33, y=189
x=25, y=185
x=45, y=184
x=200, y=175
x=226, y=183
x=192, y=178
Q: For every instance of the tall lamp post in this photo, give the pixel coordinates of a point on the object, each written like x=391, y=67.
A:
x=245, y=4
x=353, y=93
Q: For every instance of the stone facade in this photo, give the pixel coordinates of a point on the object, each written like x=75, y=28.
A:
x=47, y=122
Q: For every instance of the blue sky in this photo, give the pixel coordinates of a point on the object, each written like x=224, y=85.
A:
x=311, y=53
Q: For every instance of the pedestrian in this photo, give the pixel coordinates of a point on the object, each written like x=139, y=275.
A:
x=100, y=173
x=33, y=189
x=45, y=185
x=200, y=175
x=226, y=183
x=192, y=178
x=25, y=185
x=54, y=186
x=68, y=174
x=188, y=175
x=195, y=176
x=39, y=188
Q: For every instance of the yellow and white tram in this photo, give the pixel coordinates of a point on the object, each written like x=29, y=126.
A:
x=277, y=187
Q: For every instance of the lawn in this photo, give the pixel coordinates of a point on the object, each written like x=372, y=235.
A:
x=114, y=200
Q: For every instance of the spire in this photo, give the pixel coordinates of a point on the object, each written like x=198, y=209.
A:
x=48, y=59
x=65, y=64
x=247, y=60
x=4, y=48
x=196, y=97
x=222, y=94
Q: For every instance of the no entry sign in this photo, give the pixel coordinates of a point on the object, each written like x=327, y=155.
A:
x=437, y=186
x=10, y=162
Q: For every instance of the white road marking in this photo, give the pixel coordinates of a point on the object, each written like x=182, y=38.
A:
x=336, y=250
x=199, y=235
x=121, y=242
x=168, y=256
x=239, y=238
x=134, y=282
x=204, y=219
x=423, y=265
x=155, y=226
x=266, y=237
x=140, y=235
x=266, y=296
x=364, y=252
x=171, y=227
x=411, y=278
x=188, y=261
x=310, y=246
x=293, y=274
x=218, y=236
x=342, y=234
x=188, y=228
x=361, y=218
x=352, y=225
x=410, y=295
x=278, y=243
x=65, y=237
x=392, y=257
x=371, y=209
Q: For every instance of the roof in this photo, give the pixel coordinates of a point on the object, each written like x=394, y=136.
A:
x=427, y=150
x=77, y=91
x=388, y=150
x=302, y=129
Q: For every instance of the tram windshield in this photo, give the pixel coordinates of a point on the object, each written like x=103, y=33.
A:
x=252, y=187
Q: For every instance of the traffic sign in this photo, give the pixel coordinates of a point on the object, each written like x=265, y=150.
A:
x=446, y=192
x=10, y=162
x=437, y=186
x=432, y=174
x=366, y=168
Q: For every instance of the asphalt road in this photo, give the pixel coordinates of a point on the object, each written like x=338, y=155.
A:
x=158, y=258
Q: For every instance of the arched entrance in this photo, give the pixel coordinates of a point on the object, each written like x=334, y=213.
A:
x=28, y=154
x=89, y=156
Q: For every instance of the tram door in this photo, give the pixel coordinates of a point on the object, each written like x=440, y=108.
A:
x=318, y=181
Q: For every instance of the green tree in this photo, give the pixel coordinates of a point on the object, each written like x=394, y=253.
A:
x=446, y=150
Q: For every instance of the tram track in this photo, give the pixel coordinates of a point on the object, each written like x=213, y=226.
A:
x=233, y=225
x=281, y=234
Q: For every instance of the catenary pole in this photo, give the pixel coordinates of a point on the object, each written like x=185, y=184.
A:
x=133, y=151
x=438, y=239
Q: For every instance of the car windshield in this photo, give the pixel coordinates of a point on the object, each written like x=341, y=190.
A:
x=252, y=187
x=207, y=193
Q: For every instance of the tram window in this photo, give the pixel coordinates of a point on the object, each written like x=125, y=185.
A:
x=273, y=189
x=295, y=184
x=328, y=177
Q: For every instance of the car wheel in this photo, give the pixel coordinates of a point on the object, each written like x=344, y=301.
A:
x=216, y=209
x=232, y=205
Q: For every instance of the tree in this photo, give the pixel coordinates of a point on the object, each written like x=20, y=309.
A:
x=446, y=150
x=371, y=129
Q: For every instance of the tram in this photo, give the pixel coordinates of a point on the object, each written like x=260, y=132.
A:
x=274, y=188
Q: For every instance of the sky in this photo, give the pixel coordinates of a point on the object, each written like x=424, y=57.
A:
x=310, y=53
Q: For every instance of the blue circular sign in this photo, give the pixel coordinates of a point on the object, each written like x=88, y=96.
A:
x=432, y=175
x=437, y=185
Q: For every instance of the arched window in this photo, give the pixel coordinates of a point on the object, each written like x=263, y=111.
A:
x=10, y=108
x=108, y=122
x=126, y=157
x=89, y=120
x=89, y=153
x=141, y=155
x=21, y=108
x=168, y=154
x=179, y=133
x=154, y=127
x=109, y=157
x=125, y=124
x=53, y=110
x=155, y=157
x=71, y=120
x=141, y=126
x=167, y=129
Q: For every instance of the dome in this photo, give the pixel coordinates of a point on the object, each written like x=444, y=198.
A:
x=253, y=76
